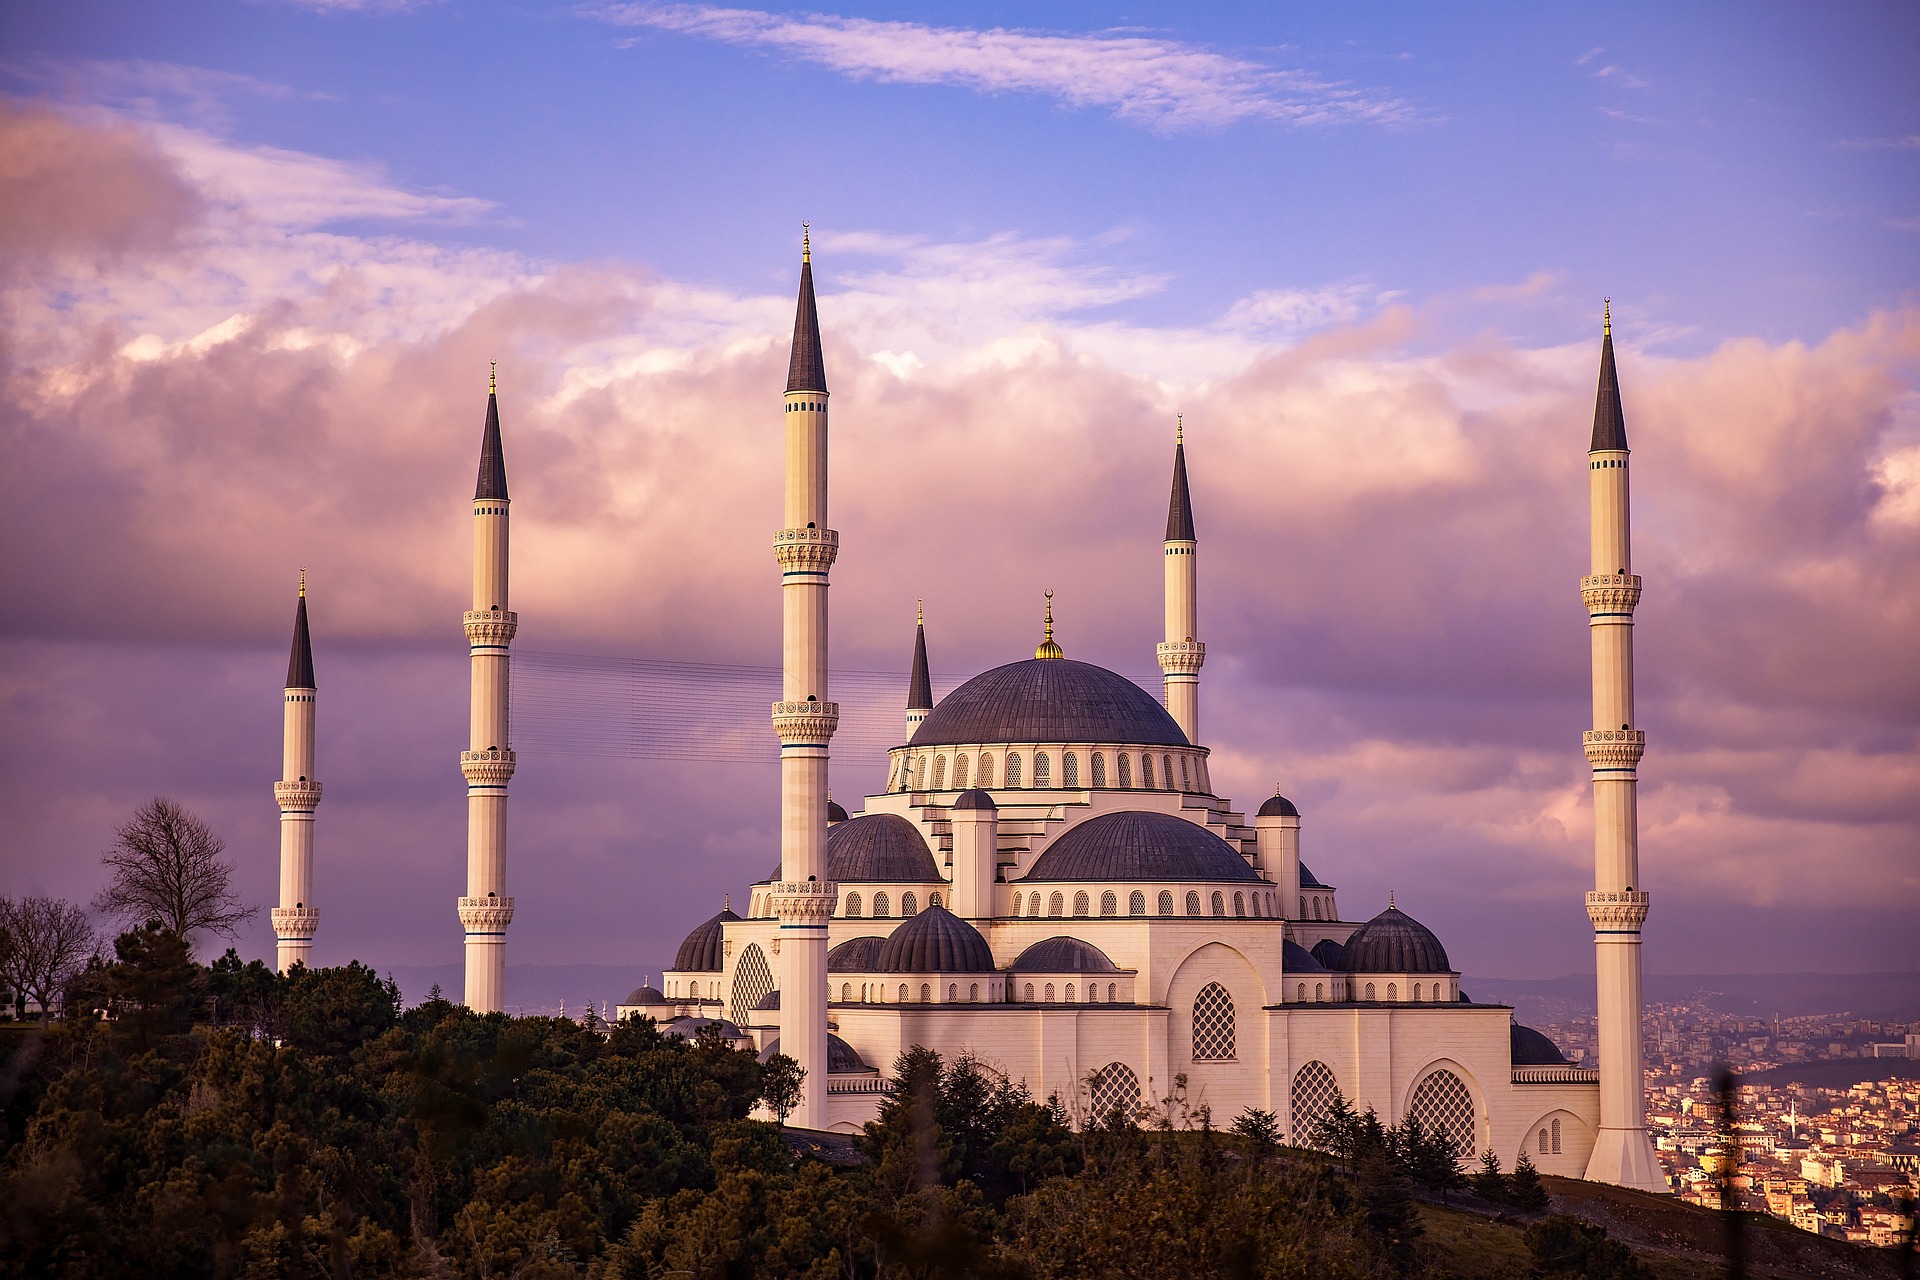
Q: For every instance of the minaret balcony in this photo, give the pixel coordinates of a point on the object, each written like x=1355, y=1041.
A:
x=1607, y=593
x=489, y=768
x=807, y=550
x=490, y=914
x=1181, y=657
x=1614, y=748
x=1617, y=911
x=805, y=723
x=806, y=902
x=302, y=796
x=491, y=626
x=295, y=924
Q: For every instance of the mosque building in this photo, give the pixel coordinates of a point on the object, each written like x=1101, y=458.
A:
x=1050, y=884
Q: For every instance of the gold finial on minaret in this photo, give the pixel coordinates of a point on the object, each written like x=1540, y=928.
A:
x=1048, y=649
x=493, y=376
x=726, y=902
x=1390, y=905
x=303, y=584
x=1606, y=318
x=806, y=242
x=1179, y=428
x=920, y=612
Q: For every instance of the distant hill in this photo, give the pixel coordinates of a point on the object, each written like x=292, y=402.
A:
x=531, y=988
x=1886, y=997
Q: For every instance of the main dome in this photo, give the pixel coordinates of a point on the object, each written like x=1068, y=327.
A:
x=1049, y=700
x=1140, y=845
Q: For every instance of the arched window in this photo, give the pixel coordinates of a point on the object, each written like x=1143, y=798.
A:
x=752, y=980
x=1019, y=904
x=1137, y=903
x=939, y=773
x=881, y=907
x=986, y=769
x=846, y=992
x=909, y=904
x=1239, y=904
x=1314, y=1093
x=1013, y=769
x=1303, y=909
x=1166, y=902
x=1056, y=904
x=1442, y=1104
x=933, y=900
x=1316, y=909
x=1069, y=993
x=1166, y=771
x=973, y=992
x=853, y=904
x=1036, y=905
x=1319, y=991
x=926, y=994
x=1049, y=996
x=1393, y=993
x=1099, y=769
x=1219, y=904
x=960, y=773
x=953, y=992
x=1213, y=1039
x=1111, y=988
x=920, y=773
x=1113, y=1088
x=1080, y=904
x=1070, y=771
x=1300, y=994
x=1543, y=1142
x=1042, y=769
x=1369, y=991
x=1126, y=777
x=1186, y=779
x=1416, y=993
x=1556, y=1136
x=1109, y=904
x=1193, y=903
x=904, y=998
x=1146, y=772
x=1093, y=993
x=1256, y=907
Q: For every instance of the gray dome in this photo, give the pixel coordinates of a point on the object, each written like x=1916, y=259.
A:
x=1133, y=845
x=841, y=1059
x=690, y=1027
x=835, y=812
x=1295, y=958
x=1532, y=1049
x=1309, y=881
x=1049, y=700
x=1277, y=806
x=645, y=995
x=883, y=847
x=1394, y=942
x=1064, y=955
x=974, y=799
x=701, y=952
x=935, y=941
x=855, y=955
x=771, y=1000
x=1327, y=952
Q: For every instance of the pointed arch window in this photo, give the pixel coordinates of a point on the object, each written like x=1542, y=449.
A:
x=986, y=768
x=1186, y=779
x=1013, y=769
x=1042, y=770
x=1219, y=904
x=1056, y=905
x=909, y=904
x=1166, y=770
x=960, y=773
x=1070, y=999
x=881, y=907
x=1240, y=904
x=1070, y=771
x=1099, y=769
x=1137, y=903
x=1126, y=776
x=1080, y=904
x=1166, y=902
x=1146, y=772
x=1213, y=1029
x=1193, y=903
x=1109, y=904
x=853, y=904
x=939, y=773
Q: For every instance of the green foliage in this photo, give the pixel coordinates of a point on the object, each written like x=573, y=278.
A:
x=1524, y=1188
x=1487, y=1181
x=1259, y=1130
x=1565, y=1248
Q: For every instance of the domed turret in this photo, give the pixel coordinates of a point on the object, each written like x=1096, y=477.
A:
x=935, y=941
x=701, y=951
x=841, y=1058
x=835, y=813
x=974, y=799
x=1277, y=806
x=1532, y=1049
x=645, y=995
x=1394, y=942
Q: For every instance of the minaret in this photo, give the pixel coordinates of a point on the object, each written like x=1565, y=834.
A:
x=1622, y=1153
x=486, y=910
x=803, y=718
x=299, y=795
x=1181, y=656
x=919, y=684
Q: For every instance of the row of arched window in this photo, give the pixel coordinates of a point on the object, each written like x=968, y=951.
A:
x=1432, y=992
x=690, y=990
x=1044, y=994
x=883, y=905
x=919, y=773
x=1312, y=906
x=878, y=992
x=1260, y=905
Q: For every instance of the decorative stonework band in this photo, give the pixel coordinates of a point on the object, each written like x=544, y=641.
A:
x=486, y=915
x=806, y=723
x=1617, y=912
x=487, y=768
x=491, y=626
x=1182, y=657
x=297, y=797
x=804, y=902
x=295, y=924
x=1614, y=748
x=806, y=550
x=1610, y=593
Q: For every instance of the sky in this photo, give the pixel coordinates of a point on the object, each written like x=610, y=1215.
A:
x=256, y=258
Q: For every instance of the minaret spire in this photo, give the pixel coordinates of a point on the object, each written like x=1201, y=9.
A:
x=1181, y=656
x=1048, y=648
x=1622, y=1153
x=919, y=683
x=298, y=795
x=804, y=897
x=488, y=762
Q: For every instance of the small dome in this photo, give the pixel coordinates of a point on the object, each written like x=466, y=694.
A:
x=701, y=952
x=1295, y=958
x=855, y=955
x=1327, y=952
x=1132, y=845
x=877, y=847
x=1049, y=700
x=1064, y=955
x=1277, y=806
x=1394, y=942
x=974, y=799
x=645, y=995
x=771, y=1000
x=690, y=1027
x=835, y=813
x=1532, y=1049
x=841, y=1059
x=935, y=941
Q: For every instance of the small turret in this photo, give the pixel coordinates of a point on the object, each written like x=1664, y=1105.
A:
x=919, y=683
x=298, y=795
x=1181, y=656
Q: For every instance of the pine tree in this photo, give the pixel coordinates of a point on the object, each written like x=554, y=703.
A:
x=1527, y=1192
x=1488, y=1182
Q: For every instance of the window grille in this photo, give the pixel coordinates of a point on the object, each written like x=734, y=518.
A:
x=960, y=773
x=752, y=979
x=1240, y=905
x=1070, y=771
x=1314, y=1091
x=853, y=904
x=1213, y=1039
x=1193, y=903
x=986, y=769
x=1013, y=768
x=1099, y=769
x=1042, y=770
x=1114, y=1087
x=1109, y=904
x=881, y=907
x=1219, y=905
x=940, y=773
x=1056, y=905
x=1146, y=772
x=1166, y=903
x=1080, y=904
x=1137, y=903
x=1443, y=1104
x=909, y=904
x=1126, y=778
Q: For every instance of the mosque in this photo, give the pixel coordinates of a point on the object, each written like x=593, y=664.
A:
x=1050, y=884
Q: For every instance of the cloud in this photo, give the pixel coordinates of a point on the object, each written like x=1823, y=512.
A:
x=1161, y=83
x=147, y=89
x=1907, y=142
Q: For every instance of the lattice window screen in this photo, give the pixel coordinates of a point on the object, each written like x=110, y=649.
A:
x=1213, y=1024
x=1443, y=1104
x=1314, y=1091
x=1116, y=1086
x=752, y=979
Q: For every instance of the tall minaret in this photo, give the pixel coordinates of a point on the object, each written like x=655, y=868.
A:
x=919, y=684
x=299, y=795
x=1622, y=1153
x=486, y=910
x=1181, y=656
x=805, y=549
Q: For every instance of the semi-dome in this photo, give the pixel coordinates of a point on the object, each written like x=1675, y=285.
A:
x=935, y=941
x=1049, y=700
x=1136, y=845
x=1532, y=1049
x=1327, y=952
x=855, y=955
x=1295, y=958
x=701, y=951
x=1064, y=955
x=1277, y=806
x=841, y=1059
x=771, y=1000
x=645, y=995
x=1394, y=942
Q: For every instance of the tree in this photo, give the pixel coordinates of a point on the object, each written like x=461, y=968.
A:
x=1524, y=1187
x=166, y=866
x=1260, y=1130
x=43, y=943
x=780, y=1085
x=1567, y=1247
x=1488, y=1182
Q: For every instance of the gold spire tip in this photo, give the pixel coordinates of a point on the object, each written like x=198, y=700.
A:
x=806, y=242
x=1390, y=905
x=1179, y=428
x=1606, y=318
x=493, y=376
x=920, y=613
x=1048, y=649
x=303, y=584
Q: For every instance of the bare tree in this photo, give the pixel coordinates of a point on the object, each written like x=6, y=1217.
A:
x=43, y=942
x=167, y=866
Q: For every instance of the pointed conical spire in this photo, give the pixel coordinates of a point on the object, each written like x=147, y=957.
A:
x=919, y=685
x=1180, y=505
x=493, y=461
x=1609, y=425
x=300, y=663
x=805, y=370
